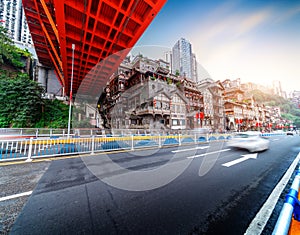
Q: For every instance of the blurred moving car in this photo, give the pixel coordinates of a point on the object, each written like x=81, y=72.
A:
x=250, y=140
x=289, y=133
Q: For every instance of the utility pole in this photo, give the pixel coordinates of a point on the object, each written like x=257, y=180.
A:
x=71, y=92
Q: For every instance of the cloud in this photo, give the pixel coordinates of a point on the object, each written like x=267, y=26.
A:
x=249, y=44
x=232, y=26
x=252, y=21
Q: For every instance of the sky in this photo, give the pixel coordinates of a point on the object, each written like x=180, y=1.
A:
x=257, y=41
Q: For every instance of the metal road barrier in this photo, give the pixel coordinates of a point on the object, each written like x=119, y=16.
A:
x=45, y=132
x=273, y=134
x=31, y=148
x=290, y=207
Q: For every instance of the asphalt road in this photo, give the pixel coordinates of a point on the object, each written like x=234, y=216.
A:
x=193, y=194
x=15, y=179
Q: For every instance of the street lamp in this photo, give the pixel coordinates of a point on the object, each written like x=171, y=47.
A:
x=71, y=93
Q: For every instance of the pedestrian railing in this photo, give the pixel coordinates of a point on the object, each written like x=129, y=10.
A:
x=46, y=132
x=290, y=209
x=30, y=148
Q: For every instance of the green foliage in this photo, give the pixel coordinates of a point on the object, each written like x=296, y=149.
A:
x=9, y=53
x=287, y=108
x=20, y=102
x=295, y=119
x=55, y=115
x=295, y=112
x=268, y=99
x=21, y=105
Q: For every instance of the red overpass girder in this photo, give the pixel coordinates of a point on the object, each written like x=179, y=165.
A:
x=98, y=28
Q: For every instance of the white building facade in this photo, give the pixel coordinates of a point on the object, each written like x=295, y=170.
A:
x=12, y=18
x=182, y=59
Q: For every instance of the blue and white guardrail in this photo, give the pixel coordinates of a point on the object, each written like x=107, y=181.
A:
x=29, y=148
x=290, y=208
x=25, y=147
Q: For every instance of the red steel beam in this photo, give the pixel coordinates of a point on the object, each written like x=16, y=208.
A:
x=98, y=28
x=51, y=21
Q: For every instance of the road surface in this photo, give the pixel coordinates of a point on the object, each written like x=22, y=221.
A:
x=215, y=194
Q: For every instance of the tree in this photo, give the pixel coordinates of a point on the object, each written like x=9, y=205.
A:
x=20, y=102
x=285, y=108
x=9, y=53
x=55, y=114
x=288, y=109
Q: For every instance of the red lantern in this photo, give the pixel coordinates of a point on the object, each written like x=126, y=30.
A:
x=201, y=115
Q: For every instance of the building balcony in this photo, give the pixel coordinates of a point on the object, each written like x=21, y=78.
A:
x=152, y=111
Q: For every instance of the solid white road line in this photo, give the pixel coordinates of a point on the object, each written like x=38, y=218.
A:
x=15, y=196
x=259, y=222
x=204, y=154
x=183, y=150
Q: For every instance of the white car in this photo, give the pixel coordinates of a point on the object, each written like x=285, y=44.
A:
x=289, y=133
x=250, y=140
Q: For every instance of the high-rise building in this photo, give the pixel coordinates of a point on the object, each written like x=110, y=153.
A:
x=12, y=18
x=168, y=58
x=183, y=60
x=277, y=88
x=194, y=68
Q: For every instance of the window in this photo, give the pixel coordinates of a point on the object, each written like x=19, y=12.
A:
x=158, y=105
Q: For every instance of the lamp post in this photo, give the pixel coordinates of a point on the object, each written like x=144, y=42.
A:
x=71, y=92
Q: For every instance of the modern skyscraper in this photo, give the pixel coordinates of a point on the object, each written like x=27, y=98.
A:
x=277, y=88
x=194, y=68
x=168, y=58
x=183, y=60
x=12, y=18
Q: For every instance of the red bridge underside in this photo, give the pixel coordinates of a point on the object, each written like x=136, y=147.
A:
x=98, y=28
